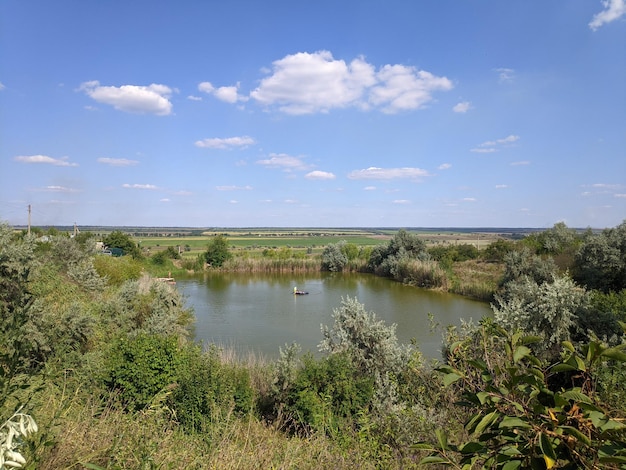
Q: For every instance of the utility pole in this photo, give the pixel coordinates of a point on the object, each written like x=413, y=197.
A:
x=29, y=219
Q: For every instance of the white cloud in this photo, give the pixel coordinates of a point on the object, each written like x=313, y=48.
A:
x=401, y=201
x=444, y=166
x=502, y=186
x=482, y=150
x=462, y=107
x=194, y=98
x=234, y=188
x=284, y=161
x=505, y=75
x=139, y=186
x=620, y=195
x=369, y=188
x=491, y=146
x=613, y=9
x=469, y=199
x=320, y=175
x=306, y=83
x=226, y=143
x=59, y=189
x=404, y=88
x=2, y=87
x=520, y=163
x=63, y=161
x=229, y=94
x=117, y=161
x=151, y=99
x=387, y=173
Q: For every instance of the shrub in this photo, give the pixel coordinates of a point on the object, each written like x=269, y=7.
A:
x=518, y=420
x=333, y=257
x=139, y=367
x=217, y=251
x=209, y=390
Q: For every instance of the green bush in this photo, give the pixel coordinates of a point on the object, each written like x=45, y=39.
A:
x=140, y=367
x=327, y=393
x=209, y=390
x=518, y=418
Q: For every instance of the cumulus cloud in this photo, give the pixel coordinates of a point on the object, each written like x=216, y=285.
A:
x=117, y=161
x=151, y=99
x=613, y=9
x=491, y=146
x=226, y=143
x=306, y=83
x=444, y=166
x=63, y=161
x=388, y=173
x=462, y=107
x=229, y=94
x=284, y=161
x=139, y=186
x=320, y=175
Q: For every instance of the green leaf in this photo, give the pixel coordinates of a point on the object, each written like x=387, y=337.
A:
x=575, y=396
x=472, y=448
x=513, y=422
x=423, y=446
x=549, y=456
x=571, y=431
x=520, y=353
x=442, y=438
x=512, y=465
x=563, y=368
x=449, y=379
x=482, y=397
x=531, y=339
x=487, y=421
x=569, y=346
x=615, y=354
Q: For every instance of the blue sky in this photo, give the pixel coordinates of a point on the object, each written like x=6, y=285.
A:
x=362, y=113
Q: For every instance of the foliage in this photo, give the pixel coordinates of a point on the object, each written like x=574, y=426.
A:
x=371, y=345
x=547, y=310
x=12, y=434
x=496, y=251
x=421, y=273
x=334, y=257
x=524, y=264
x=116, y=271
x=327, y=391
x=123, y=241
x=448, y=254
x=207, y=389
x=384, y=258
x=518, y=420
x=140, y=367
x=217, y=251
x=601, y=261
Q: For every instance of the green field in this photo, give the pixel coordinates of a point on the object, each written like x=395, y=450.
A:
x=300, y=239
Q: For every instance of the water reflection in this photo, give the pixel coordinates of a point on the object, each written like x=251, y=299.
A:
x=259, y=313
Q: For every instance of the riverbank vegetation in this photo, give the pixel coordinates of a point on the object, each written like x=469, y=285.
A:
x=99, y=370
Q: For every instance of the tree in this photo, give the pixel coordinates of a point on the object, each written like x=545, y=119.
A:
x=123, y=241
x=217, y=251
x=548, y=310
x=384, y=259
x=601, y=261
x=333, y=257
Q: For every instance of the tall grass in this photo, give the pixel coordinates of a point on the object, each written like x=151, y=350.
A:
x=272, y=265
x=476, y=279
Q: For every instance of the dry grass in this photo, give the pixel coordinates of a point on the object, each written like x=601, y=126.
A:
x=95, y=436
x=477, y=279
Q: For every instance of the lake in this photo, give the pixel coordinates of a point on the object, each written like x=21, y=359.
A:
x=259, y=312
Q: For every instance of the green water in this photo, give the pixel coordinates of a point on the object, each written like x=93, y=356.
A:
x=259, y=313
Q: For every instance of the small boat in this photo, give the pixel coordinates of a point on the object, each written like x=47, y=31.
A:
x=300, y=292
